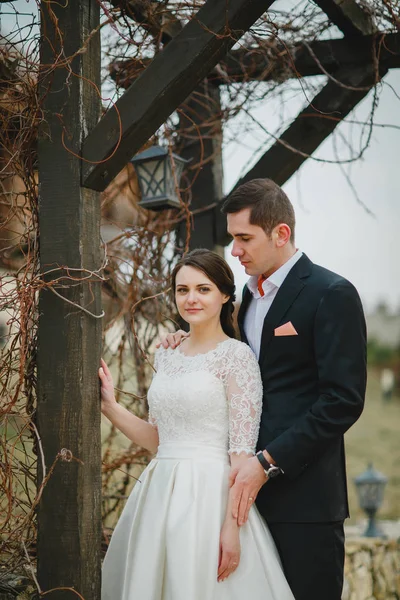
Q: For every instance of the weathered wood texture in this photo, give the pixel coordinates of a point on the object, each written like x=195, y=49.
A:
x=152, y=16
x=348, y=16
x=169, y=79
x=313, y=125
x=201, y=142
x=310, y=128
x=316, y=58
x=288, y=62
x=68, y=412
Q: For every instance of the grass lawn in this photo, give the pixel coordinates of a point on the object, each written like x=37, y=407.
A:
x=376, y=438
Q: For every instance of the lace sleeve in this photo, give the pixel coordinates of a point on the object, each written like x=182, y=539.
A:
x=244, y=391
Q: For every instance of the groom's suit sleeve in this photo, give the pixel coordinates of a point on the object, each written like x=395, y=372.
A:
x=340, y=356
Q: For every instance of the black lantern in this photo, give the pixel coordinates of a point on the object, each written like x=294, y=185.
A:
x=370, y=487
x=159, y=174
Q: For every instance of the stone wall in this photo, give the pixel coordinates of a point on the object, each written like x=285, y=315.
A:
x=372, y=570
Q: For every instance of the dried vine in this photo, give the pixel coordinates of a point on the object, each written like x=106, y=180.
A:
x=140, y=247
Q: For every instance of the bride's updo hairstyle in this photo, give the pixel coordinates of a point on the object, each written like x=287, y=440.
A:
x=219, y=272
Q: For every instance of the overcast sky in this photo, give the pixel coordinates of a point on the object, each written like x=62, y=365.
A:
x=332, y=228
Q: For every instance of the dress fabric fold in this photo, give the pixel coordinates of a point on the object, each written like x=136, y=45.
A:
x=166, y=543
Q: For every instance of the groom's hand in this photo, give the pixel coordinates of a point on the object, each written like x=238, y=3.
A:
x=246, y=482
x=172, y=340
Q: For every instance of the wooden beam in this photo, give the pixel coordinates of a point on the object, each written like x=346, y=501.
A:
x=311, y=59
x=302, y=60
x=69, y=339
x=313, y=125
x=200, y=137
x=164, y=85
x=200, y=132
x=152, y=17
x=148, y=15
x=310, y=128
x=348, y=16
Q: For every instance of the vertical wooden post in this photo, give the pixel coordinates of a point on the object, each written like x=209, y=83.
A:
x=69, y=344
x=201, y=116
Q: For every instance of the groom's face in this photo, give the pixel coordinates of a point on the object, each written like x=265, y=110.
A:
x=257, y=251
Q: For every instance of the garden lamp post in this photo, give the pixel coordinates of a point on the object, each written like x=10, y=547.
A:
x=370, y=486
x=159, y=173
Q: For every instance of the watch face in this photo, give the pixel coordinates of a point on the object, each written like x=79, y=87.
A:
x=273, y=472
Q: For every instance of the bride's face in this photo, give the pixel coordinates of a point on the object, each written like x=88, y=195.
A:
x=197, y=298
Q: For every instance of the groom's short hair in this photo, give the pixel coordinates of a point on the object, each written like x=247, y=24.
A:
x=268, y=203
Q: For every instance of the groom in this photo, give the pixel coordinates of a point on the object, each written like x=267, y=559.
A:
x=306, y=326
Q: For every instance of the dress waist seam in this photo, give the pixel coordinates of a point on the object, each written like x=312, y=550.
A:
x=191, y=451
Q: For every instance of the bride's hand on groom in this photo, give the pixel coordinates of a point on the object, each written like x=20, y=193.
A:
x=246, y=480
x=172, y=340
x=229, y=549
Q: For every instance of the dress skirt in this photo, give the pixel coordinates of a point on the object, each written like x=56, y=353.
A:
x=166, y=543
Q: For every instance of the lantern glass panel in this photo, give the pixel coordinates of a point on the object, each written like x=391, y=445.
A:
x=152, y=178
x=159, y=177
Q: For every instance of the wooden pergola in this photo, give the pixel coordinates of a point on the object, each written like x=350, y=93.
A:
x=69, y=516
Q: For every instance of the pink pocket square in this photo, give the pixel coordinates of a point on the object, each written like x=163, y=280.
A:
x=285, y=329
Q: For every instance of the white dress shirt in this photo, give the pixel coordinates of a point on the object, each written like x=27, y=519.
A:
x=259, y=305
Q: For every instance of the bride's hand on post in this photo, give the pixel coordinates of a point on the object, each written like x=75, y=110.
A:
x=107, y=388
x=172, y=340
x=229, y=549
x=246, y=482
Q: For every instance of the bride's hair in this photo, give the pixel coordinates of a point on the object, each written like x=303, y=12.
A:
x=220, y=273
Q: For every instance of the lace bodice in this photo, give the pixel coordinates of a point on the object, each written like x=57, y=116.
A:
x=213, y=398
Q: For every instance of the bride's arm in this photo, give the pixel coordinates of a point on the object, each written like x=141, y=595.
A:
x=137, y=430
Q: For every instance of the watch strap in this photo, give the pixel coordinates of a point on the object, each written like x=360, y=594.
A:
x=270, y=470
x=264, y=463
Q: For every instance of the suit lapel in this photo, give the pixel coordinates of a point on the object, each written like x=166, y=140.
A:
x=283, y=300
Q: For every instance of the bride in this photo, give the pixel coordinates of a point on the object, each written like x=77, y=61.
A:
x=176, y=538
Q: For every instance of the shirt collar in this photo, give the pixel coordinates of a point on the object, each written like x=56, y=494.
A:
x=275, y=280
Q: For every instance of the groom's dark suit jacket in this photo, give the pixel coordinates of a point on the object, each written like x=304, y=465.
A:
x=314, y=387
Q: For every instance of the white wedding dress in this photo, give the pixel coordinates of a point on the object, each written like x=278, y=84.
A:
x=166, y=543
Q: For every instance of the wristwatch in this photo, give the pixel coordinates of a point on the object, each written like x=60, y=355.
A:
x=270, y=470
